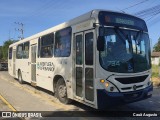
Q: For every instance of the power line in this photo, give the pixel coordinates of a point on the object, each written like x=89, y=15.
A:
x=46, y=8
x=153, y=16
x=135, y=5
x=41, y=8
x=149, y=13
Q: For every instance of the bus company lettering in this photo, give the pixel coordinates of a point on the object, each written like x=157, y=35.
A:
x=46, y=66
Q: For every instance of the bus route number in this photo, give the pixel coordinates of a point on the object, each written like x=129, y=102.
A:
x=114, y=63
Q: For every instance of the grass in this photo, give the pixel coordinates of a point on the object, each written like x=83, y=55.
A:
x=155, y=75
x=155, y=71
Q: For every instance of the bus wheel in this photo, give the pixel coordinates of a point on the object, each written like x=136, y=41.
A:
x=61, y=92
x=20, y=80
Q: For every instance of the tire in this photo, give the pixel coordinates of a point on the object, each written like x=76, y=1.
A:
x=61, y=92
x=20, y=80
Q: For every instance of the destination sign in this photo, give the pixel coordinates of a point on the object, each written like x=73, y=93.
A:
x=124, y=21
x=121, y=20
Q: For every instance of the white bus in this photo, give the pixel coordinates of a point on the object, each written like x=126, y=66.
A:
x=101, y=58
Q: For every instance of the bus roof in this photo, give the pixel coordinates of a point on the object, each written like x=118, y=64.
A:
x=81, y=18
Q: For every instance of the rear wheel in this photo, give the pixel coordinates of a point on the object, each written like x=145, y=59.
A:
x=20, y=80
x=61, y=92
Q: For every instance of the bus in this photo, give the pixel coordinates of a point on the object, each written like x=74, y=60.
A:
x=99, y=59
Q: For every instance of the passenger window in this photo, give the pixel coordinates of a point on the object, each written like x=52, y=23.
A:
x=47, y=46
x=10, y=53
x=89, y=48
x=26, y=50
x=19, y=54
x=63, y=43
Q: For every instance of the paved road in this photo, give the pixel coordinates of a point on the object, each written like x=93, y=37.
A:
x=27, y=98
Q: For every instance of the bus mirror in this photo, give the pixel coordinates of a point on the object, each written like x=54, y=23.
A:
x=100, y=43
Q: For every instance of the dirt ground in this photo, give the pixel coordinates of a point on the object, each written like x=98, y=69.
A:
x=156, y=81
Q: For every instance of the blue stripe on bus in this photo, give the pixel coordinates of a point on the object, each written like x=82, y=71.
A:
x=108, y=99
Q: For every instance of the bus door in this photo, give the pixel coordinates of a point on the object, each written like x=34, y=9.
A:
x=14, y=64
x=33, y=64
x=84, y=66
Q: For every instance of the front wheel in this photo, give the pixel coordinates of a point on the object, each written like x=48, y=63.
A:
x=61, y=92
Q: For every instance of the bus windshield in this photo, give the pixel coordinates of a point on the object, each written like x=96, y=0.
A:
x=125, y=51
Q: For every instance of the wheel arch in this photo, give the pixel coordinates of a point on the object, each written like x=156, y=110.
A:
x=55, y=80
x=19, y=70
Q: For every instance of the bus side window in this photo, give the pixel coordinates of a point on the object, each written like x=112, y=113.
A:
x=19, y=54
x=63, y=43
x=26, y=50
x=46, y=48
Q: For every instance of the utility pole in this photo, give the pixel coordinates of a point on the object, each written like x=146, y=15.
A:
x=20, y=29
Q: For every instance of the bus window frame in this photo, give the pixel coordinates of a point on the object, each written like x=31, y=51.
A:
x=40, y=46
x=55, y=42
x=24, y=49
x=21, y=51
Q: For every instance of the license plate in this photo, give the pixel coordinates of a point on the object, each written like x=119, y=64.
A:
x=149, y=93
x=135, y=95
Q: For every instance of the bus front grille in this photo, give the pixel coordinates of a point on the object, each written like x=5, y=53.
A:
x=130, y=80
x=128, y=88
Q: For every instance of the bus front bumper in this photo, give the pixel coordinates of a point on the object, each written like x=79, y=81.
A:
x=107, y=99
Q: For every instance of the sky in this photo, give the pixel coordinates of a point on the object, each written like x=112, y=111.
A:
x=39, y=15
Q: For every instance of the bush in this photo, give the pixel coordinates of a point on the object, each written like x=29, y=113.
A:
x=155, y=71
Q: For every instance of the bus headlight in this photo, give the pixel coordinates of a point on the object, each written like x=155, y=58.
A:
x=106, y=84
x=110, y=87
x=149, y=82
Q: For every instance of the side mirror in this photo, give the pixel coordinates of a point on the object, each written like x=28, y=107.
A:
x=100, y=43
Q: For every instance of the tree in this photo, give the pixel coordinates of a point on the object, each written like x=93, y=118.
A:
x=1, y=52
x=4, y=49
x=156, y=47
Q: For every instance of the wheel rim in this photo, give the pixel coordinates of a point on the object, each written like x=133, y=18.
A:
x=62, y=91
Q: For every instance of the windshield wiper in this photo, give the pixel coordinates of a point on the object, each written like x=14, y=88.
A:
x=137, y=40
x=138, y=36
x=118, y=32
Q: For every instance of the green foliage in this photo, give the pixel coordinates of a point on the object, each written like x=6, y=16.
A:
x=1, y=55
x=155, y=71
x=4, y=49
x=156, y=47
